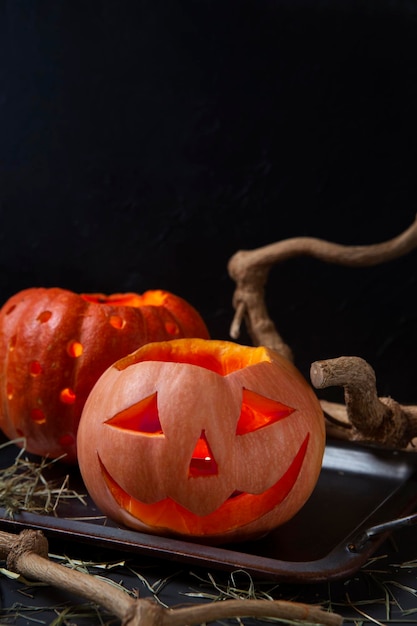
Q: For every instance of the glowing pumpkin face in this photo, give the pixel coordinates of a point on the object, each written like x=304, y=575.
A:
x=54, y=345
x=201, y=438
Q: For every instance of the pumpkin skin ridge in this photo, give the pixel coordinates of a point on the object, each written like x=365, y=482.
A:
x=20, y=318
x=265, y=373
x=200, y=526
x=63, y=299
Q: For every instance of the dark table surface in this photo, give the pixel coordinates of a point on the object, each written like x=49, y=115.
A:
x=384, y=590
x=358, y=489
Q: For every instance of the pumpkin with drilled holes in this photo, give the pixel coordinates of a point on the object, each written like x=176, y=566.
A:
x=54, y=345
x=203, y=439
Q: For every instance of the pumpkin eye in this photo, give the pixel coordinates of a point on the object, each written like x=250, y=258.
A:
x=258, y=411
x=141, y=417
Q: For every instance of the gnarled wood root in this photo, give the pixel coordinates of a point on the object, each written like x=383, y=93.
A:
x=27, y=554
x=250, y=268
x=364, y=417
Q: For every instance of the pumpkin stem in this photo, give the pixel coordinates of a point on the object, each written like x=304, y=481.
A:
x=27, y=554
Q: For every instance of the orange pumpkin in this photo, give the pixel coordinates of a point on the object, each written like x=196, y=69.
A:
x=54, y=345
x=201, y=439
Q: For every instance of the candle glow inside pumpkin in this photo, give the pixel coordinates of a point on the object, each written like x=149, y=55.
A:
x=201, y=438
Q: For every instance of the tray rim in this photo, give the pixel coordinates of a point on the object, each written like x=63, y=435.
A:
x=340, y=562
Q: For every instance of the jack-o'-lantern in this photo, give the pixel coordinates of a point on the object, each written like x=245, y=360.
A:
x=54, y=345
x=202, y=439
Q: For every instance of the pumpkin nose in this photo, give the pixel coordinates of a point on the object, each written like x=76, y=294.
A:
x=202, y=461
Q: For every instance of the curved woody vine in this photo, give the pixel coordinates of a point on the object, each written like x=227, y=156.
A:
x=364, y=416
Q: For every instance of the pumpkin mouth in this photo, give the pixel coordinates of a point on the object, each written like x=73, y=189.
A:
x=238, y=510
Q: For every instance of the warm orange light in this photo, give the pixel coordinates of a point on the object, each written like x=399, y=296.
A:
x=259, y=411
x=55, y=344
x=141, y=417
x=235, y=512
x=202, y=461
x=220, y=357
x=67, y=396
x=74, y=348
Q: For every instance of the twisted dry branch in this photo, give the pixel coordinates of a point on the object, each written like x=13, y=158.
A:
x=250, y=268
x=364, y=417
x=27, y=554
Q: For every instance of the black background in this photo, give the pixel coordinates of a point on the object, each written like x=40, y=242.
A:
x=142, y=143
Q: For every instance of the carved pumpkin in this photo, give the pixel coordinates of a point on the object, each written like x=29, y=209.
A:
x=202, y=439
x=54, y=345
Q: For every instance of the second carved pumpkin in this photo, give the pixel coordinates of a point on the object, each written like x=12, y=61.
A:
x=54, y=345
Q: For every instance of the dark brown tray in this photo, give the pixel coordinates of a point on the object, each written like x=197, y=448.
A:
x=359, y=487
